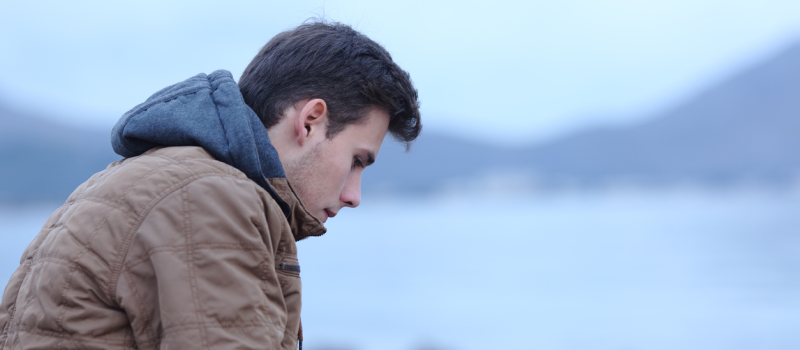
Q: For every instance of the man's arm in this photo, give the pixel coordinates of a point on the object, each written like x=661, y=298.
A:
x=200, y=271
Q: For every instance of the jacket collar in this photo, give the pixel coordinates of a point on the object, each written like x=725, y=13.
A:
x=303, y=223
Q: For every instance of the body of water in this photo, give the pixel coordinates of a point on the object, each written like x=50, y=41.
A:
x=681, y=269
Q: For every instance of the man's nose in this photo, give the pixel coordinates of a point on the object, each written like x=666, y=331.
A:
x=351, y=194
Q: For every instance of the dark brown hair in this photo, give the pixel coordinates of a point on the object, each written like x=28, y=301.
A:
x=336, y=63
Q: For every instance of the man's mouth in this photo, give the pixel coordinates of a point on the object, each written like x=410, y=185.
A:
x=328, y=214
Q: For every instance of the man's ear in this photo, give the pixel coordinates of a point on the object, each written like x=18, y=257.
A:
x=312, y=120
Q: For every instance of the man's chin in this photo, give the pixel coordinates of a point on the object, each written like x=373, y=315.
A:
x=323, y=216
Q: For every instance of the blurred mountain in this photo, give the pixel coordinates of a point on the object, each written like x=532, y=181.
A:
x=743, y=130
x=41, y=160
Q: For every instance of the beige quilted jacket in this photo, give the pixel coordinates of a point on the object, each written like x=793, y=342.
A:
x=171, y=249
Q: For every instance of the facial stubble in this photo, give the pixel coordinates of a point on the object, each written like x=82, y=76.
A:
x=305, y=174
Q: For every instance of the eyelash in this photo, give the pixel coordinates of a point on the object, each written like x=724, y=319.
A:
x=357, y=163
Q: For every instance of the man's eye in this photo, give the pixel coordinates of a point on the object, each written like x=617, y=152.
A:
x=357, y=163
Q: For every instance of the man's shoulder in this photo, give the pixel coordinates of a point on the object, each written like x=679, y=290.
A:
x=180, y=163
x=133, y=184
x=170, y=165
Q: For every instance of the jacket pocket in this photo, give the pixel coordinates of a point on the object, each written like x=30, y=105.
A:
x=289, y=266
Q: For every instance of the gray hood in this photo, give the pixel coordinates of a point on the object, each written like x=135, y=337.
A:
x=206, y=111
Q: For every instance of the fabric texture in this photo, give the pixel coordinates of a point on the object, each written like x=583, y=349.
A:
x=173, y=247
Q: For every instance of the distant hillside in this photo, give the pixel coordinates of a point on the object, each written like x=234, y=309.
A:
x=744, y=130
x=41, y=160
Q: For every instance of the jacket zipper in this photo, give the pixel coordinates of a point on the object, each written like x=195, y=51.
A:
x=287, y=267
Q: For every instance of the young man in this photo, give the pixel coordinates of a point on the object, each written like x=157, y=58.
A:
x=189, y=242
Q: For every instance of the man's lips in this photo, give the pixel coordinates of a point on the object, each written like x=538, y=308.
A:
x=328, y=214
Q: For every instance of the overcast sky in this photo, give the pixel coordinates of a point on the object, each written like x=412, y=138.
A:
x=508, y=71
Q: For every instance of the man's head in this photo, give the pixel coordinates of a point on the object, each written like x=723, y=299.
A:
x=327, y=95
